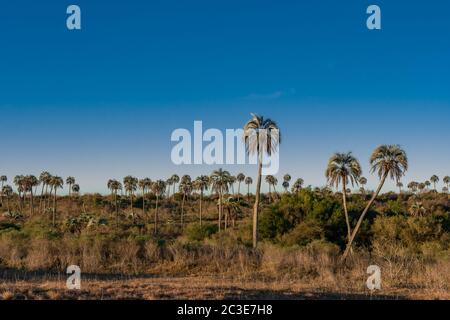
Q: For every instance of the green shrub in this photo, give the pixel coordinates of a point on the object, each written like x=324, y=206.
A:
x=304, y=233
x=197, y=232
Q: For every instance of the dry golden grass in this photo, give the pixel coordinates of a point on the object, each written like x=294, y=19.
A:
x=203, y=288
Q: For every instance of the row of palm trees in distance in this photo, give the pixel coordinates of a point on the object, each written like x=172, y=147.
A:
x=261, y=136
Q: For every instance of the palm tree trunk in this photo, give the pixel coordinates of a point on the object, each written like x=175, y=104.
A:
x=156, y=214
x=201, y=198
x=20, y=202
x=182, y=209
x=131, y=204
x=344, y=200
x=1, y=192
x=248, y=192
x=41, y=198
x=239, y=190
x=31, y=202
x=117, y=208
x=54, y=207
x=256, y=205
x=361, y=218
x=143, y=201
x=220, y=209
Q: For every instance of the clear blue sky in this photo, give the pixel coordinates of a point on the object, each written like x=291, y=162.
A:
x=102, y=102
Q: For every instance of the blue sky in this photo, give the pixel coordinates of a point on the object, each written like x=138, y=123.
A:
x=102, y=102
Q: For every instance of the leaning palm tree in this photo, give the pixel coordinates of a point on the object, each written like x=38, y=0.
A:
x=3, y=179
x=220, y=182
x=240, y=178
x=298, y=184
x=248, y=182
x=115, y=186
x=434, y=179
x=185, y=187
x=56, y=183
x=7, y=191
x=386, y=160
x=158, y=188
x=261, y=136
x=130, y=184
x=343, y=168
x=70, y=181
x=201, y=184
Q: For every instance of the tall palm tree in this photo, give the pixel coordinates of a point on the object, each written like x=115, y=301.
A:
x=298, y=184
x=185, y=187
x=175, y=179
x=343, y=168
x=3, y=179
x=56, y=183
x=413, y=186
x=261, y=136
x=363, y=182
x=7, y=191
x=286, y=181
x=240, y=178
x=272, y=181
x=434, y=179
x=158, y=188
x=115, y=186
x=19, y=181
x=232, y=182
x=220, y=181
x=421, y=186
x=144, y=185
x=248, y=182
x=30, y=182
x=70, y=181
x=44, y=178
x=386, y=160
x=201, y=184
x=130, y=185
x=446, y=180
x=169, y=184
